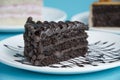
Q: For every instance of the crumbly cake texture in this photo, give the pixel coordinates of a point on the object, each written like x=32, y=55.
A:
x=49, y=43
x=106, y=15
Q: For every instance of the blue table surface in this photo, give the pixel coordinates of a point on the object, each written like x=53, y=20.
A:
x=71, y=7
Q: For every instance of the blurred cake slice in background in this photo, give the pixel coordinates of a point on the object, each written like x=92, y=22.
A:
x=15, y=12
x=105, y=13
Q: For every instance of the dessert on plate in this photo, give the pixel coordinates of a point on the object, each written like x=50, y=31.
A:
x=49, y=43
x=105, y=13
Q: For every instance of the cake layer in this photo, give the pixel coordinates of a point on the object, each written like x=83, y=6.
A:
x=100, y=9
x=52, y=41
x=15, y=12
x=50, y=28
x=42, y=60
x=105, y=14
x=59, y=38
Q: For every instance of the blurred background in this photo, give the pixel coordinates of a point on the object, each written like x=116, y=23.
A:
x=71, y=7
x=15, y=12
x=25, y=8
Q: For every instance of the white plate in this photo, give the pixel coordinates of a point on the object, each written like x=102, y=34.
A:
x=49, y=14
x=97, y=43
x=83, y=17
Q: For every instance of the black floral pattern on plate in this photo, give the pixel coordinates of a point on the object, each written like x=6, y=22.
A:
x=99, y=53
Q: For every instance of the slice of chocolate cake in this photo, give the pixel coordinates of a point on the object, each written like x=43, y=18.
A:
x=105, y=13
x=52, y=42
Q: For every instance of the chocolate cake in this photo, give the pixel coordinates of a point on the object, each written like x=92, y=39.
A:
x=105, y=14
x=49, y=43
